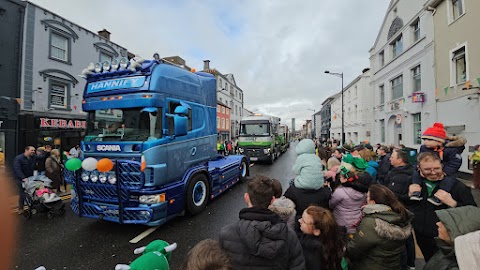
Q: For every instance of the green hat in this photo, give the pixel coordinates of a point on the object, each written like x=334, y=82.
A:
x=155, y=256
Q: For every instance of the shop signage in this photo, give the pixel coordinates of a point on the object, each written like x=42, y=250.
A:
x=418, y=97
x=398, y=119
x=7, y=124
x=62, y=123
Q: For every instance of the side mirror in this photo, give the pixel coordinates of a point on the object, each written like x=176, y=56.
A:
x=177, y=125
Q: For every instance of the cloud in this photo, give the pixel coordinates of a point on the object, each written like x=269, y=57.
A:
x=278, y=50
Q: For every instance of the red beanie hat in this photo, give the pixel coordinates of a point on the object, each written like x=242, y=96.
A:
x=436, y=133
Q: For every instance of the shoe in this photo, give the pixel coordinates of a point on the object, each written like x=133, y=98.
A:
x=416, y=196
x=435, y=201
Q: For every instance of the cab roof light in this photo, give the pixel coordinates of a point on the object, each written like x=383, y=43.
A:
x=147, y=96
x=123, y=63
x=103, y=98
x=115, y=64
x=118, y=97
x=106, y=66
x=111, y=98
x=98, y=67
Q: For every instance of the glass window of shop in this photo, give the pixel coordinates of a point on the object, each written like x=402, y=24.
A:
x=61, y=140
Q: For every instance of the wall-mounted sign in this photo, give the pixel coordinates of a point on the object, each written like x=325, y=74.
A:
x=398, y=119
x=62, y=123
x=418, y=97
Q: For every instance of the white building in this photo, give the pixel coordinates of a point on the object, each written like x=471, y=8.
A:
x=403, y=81
x=358, y=104
x=230, y=94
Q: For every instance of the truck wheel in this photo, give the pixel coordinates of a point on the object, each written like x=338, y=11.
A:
x=243, y=170
x=272, y=158
x=197, y=194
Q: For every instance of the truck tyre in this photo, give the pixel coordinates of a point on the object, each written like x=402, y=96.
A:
x=243, y=170
x=272, y=158
x=197, y=194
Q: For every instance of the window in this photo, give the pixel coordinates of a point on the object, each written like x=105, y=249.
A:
x=381, y=57
x=457, y=6
x=218, y=108
x=220, y=83
x=226, y=86
x=236, y=110
x=417, y=79
x=220, y=99
x=58, y=95
x=172, y=105
x=416, y=30
x=227, y=111
x=417, y=128
x=397, y=47
x=231, y=104
x=382, y=130
x=397, y=87
x=59, y=47
x=459, y=66
x=382, y=94
x=105, y=57
x=223, y=123
x=231, y=89
x=227, y=123
x=218, y=122
x=223, y=109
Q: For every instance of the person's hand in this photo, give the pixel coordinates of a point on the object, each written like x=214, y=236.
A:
x=24, y=179
x=413, y=188
x=446, y=198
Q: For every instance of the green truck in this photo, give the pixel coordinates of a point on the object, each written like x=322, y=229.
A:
x=262, y=138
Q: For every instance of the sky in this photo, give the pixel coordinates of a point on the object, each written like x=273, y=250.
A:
x=277, y=50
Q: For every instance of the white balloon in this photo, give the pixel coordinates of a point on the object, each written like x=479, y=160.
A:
x=89, y=164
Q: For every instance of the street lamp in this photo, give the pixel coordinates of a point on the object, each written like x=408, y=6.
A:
x=343, y=119
x=314, y=124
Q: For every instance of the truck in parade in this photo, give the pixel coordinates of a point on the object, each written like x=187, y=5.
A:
x=150, y=145
x=261, y=138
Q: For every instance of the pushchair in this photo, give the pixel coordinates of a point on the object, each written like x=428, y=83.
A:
x=48, y=202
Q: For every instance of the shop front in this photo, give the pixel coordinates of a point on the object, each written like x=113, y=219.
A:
x=59, y=132
x=7, y=142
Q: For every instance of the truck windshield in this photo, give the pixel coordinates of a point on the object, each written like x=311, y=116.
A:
x=259, y=129
x=130, y=124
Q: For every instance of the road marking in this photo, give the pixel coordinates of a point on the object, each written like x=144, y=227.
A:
x=143, y=235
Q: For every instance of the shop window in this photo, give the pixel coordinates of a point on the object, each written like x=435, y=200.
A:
x=417, y=128
x=58, y=94
x=417, y=79
x=397, y=46
x=59, y=47
x=459, y=65
x=397, y=87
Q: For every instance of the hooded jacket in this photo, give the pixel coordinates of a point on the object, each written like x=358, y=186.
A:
x=308, y=166
x=346, y=204
x=261, y=240
x=384, y=167
x=379, y=240
x=303, y=198
x=285, y=208
x=398, y=180
x=458, y=221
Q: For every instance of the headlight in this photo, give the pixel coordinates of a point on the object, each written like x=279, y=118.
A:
x=85, y=176
x=266, y=151
x=112, y=179
x=151, y=199
x=94, y=177
x=123, y=63
x=114, y=64
x=240, y=150
x=106, y=66
x=98, y=67
x=102, y=177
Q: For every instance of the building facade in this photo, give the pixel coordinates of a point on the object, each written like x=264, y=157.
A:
x=230, y=94
x=457, y=69
x=358, y=111
x=326, y=118
x=403, y=81
x=55, y=51
x=11, y=14
x=223, y=121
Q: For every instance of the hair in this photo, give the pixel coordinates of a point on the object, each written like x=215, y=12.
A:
x=476, y=147
x=206, y=255
x=428, y=156
x=340, y=150
x=385, y=148
x=260, y=190
x=366, y=154
x=383, y=195
x=402, y=155
x=54, y=152
x=277, y=188
x=27, y=148
x=332, y=162
x=332, y=246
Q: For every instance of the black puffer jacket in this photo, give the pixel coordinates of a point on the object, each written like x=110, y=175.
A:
x=261, y=240
x=303, y=198
x=425, y=219
x=398, y=180
x=383, y=168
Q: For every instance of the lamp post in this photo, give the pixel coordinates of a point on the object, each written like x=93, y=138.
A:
x=343, y=119
x=314, y=124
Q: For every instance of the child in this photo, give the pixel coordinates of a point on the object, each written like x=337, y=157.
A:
x=321, y=241
x=205, y=255
x=45, y=193
x=283, y=206
x=434, y=140
x=308, y=166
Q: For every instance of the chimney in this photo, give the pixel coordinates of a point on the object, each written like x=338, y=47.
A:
x=206, y=64
x=104, y=33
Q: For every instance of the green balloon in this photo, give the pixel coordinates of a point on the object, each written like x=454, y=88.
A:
x=73, y=164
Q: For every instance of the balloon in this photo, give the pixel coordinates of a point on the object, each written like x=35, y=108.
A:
x=104, y=165
x=73, y=164
x=89, y=164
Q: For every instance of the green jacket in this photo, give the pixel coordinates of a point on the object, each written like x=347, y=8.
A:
x=379, y=240
x=458, y=221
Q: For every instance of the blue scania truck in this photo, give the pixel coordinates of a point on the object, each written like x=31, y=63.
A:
x=157, y=123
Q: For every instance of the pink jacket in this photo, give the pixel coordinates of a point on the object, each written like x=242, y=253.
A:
x=346, y=204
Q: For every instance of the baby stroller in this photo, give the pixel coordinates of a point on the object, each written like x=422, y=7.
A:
x=48, y=202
